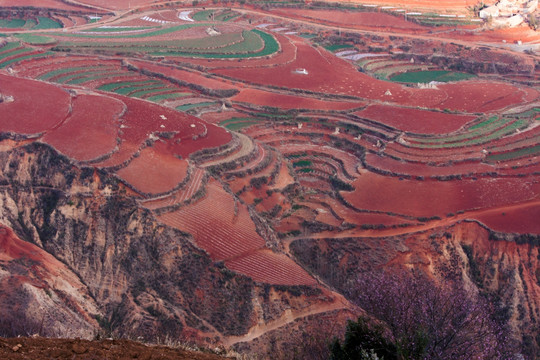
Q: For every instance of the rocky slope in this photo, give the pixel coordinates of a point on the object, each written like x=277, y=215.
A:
x=137, y=277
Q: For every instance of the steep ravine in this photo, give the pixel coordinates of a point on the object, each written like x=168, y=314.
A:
x=146, y=279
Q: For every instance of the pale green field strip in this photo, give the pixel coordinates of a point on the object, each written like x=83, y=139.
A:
x=86, y=79
x=431, y=75
x=515, y=154
x=142, y=93
x=12, y=24
x=157, y=98
x=46, y=23
x=270, y=47
x=32, y=56
x=14, y=52
x=128, y=90
x=72, y=76
x=114, y=29
x=202, y=15
x=336, y=47
x=35, y=39
x=117, y=85
x=484, y=123
x=507, y=130
x=202, y=44
x=57, y=72
x=162, y=31
x=9, y=46
x=187, y=107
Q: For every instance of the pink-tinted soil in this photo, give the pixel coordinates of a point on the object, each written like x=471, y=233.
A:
x=268, y=267
x=266, y=98
x=437, y=198
x=515, y=219
x=215, y=225
x=154, y=172
x=88, y=134
x=415, y=120
x=51, y=4
x=374, y=20
x=36, y=107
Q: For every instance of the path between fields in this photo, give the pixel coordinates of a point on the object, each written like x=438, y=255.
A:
x=470, y=215
x=288, y=317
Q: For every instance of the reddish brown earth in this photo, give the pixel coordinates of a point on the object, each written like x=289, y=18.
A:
x=51, y=4
x=430, y=198
x=415, y=120
x=88, y=134
x=373, y=20
x=37, y=106
x=46, y=348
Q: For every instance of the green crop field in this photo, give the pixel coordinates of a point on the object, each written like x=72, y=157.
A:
x=302, y=163
x=57, y=72
x=12, y=24
x=336, y=47
x=161, y=31
x=9, y=46
x=428, y=76
x=99, y=75
x=515, y=154
x=120, y=29
x=26, y=57
x=46, y=23
x=187, y=107
x=36, y=39
x=117, y=85
x=14, y=52
x=161, y=97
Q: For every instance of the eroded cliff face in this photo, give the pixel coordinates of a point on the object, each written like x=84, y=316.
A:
x=506, y=272
x=146, y=279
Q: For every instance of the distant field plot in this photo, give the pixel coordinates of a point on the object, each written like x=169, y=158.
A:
x=432, y=75
x=240, y=44
x=215, y=15
x=40, y=23
x=36, y=39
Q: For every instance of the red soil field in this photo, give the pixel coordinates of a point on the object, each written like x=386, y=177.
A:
x=482, y=96
x=154, y=172
x=522, y=219
x=268, y=267
x=117, y=4
x=374, y=20
x=88, y=134
x=266, y=98
x=437, y=198
x=143, y=118
x=415, y=120
x=51, y=4
x=37, y=106
x=215, y=226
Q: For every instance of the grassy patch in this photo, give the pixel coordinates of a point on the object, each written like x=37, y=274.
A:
x=46, y=23
x=31, y=56
x=428, y=76
x=14, y=52
x=12, y=24
x=57, y=72
x=161, y=97
x=117, y=85
x=113, y=29
x=302, y=163
x=36, y=39
x=187, y=107
x=162, y=31
x=484, y=123
x=9, y=46
x=336, y=47
x=516, y=154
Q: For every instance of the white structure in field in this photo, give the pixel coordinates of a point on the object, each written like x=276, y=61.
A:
x=510, y=13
